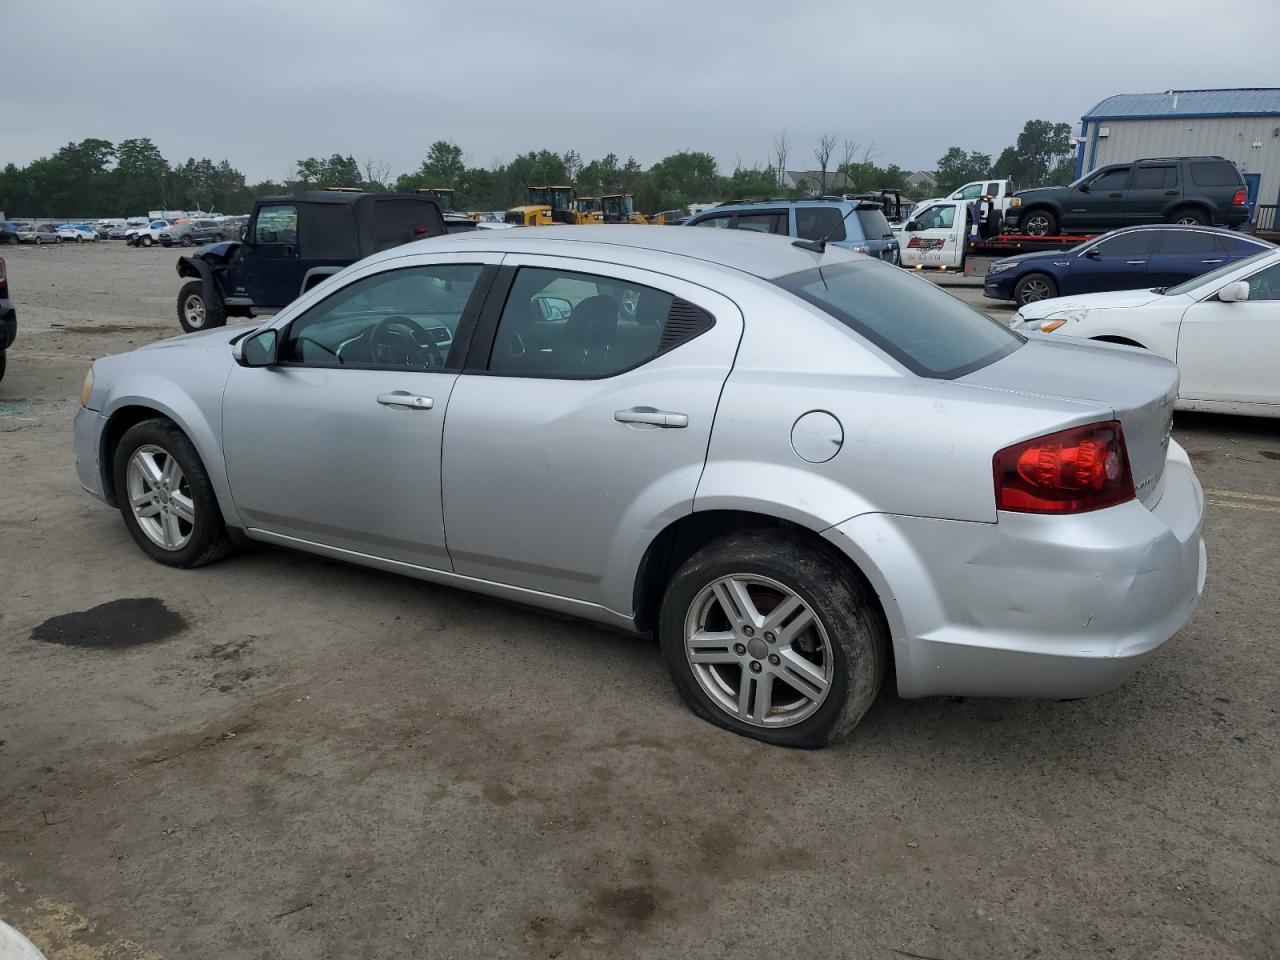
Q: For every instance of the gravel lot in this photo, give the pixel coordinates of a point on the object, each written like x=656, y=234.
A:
x=290, y=758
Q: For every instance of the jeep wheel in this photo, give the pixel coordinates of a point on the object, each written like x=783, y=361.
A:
x=194, y=313
x=1038, y=223
x=1189, y=217
x=775, y=638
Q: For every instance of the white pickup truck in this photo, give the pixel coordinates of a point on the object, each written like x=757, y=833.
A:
x=998, y=191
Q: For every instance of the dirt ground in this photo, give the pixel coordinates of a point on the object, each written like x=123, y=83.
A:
x=283, y=757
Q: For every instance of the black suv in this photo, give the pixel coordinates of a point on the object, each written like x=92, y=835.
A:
x=1188, y=190
x=292, y=243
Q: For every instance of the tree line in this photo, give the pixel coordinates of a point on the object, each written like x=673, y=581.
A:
x=96, y=178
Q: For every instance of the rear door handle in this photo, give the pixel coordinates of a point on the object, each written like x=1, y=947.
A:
x=1219, y=260
x=653, y=417
x=410, y=401
x=1171, y=193
x=1135, y=263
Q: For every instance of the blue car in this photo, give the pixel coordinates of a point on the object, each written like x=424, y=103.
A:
x=1131, y=258
x=857, y=225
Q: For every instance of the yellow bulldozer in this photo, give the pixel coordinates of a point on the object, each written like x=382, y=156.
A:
x=620, y=208
x=587, y=210
x=547, y=205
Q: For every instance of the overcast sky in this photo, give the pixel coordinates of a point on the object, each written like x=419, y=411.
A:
x=265, y=83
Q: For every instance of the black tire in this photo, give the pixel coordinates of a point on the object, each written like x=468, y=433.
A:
x=2, y=363
x=1190, y=216
x=208, y=536
x=214, y=313
x=842, y=602
x=991, y=224
x=146, y=241
x=1033, y=287
x=218, y=237
x=1038, y=223
x=186, y=240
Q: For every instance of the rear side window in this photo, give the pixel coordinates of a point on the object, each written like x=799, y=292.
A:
x=774, y=222
x=928, y=331
x=1155, y=178
x=874, y=225
x=1216, y=173
x=400, y=221
x=818, y=223
x=1186, y=241
x=328, y=232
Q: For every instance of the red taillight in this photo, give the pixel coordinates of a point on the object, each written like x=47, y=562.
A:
x=419, y=231
x=1084, y=468
x=3, y=275
x=1239, y=199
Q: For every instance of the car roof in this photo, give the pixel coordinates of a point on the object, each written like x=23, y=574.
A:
x=1183, y=226
x=761, y=255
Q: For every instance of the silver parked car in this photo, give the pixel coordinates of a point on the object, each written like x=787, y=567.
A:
x=799, y=467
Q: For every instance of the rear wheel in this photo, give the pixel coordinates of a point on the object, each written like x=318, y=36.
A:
x=195, y=313
x=774, y=638
x=1189, y=216
x=1033, y=287
x=166, y=498
x=1038, y=223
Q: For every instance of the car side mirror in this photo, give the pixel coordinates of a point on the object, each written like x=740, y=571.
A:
x=553, y=308
x=244, y=234
x=1083, y=188
x=1236, y=292
x=1093, y=253
x=912, y=226
x=257, y=349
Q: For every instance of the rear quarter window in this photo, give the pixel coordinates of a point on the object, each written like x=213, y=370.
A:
x=820, y=223
x=874, y=225
x=1216, y=173
x=927, y=330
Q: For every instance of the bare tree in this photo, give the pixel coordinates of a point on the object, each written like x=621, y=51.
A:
x=781, y=148
x=377, y=173
x=849, y=153
x=822, y=153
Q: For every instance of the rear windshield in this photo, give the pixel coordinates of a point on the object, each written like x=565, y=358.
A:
x=929, y=332
x=874, y=225
x=1216, y=173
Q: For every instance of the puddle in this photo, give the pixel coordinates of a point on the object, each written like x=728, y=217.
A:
x=120, y=623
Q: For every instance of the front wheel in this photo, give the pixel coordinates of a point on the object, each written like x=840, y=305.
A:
x=166, y=498
x=186, y=241
x=774, y=638
x=1038, y=223
x=147, y=241
x=1033, y=287
x=195, y=313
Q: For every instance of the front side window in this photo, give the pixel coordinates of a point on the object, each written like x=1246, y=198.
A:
x=402, y=319
x=820, y=223
x=941, y=217
x=277, y=223
x=559, y=323
x=1265, y=284
x=972, y=192
x=1113, y=179
x=927, y=330
x=720, y=221
x=1133, y=244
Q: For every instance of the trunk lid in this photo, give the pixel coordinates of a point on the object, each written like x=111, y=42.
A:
x=1137, y=388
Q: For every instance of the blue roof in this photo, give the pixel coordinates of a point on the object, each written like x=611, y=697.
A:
x=1241, y=101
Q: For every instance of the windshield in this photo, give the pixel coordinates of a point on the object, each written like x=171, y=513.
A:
x=928, y=331
x=1206, y=278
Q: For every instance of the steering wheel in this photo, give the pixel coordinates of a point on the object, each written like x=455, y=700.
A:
x=404, y=334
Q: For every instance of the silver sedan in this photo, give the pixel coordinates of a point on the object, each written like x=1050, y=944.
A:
x=802, y=469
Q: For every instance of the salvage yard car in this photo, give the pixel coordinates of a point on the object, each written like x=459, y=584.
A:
x=1188, y=190
x=292, y=244
x=1158, y=255
x=191, y=232
x=1222, y=328
x=857, y=225
x=800, y=467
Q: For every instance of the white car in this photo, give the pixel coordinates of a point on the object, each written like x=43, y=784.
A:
x=77, y=232
x=1222, y=329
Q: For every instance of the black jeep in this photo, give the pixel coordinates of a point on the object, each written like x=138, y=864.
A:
x=292, y=243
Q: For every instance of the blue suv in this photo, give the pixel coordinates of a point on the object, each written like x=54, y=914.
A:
x=857, y=225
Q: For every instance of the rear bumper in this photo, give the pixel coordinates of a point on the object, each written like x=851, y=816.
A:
x=1035, y=606
x=8, y=323
x=87, y=432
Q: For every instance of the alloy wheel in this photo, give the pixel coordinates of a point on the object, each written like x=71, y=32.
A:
x=1034, y=290
x=1037, y=226
x=193, y=310
x=160, y=497
x=758, y=651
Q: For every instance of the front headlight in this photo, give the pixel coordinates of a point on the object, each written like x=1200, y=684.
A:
x=1000, y=268
x=1015, y=201
x=87, y=388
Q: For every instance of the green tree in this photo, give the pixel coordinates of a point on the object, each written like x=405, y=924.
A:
x=956, y=167
x=337, y=171
x=1041, y=155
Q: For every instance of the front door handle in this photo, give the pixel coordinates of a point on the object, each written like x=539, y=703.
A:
x=410, y=401
x=1135, y=263
x=1171, y=193
x=653, y=417
x=1219, y=260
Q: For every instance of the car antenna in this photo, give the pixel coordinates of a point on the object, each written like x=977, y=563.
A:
x=820, y=246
